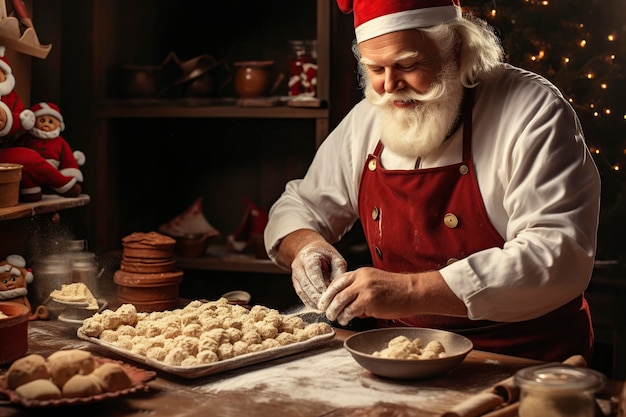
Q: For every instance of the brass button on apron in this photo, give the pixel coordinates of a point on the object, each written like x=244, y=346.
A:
x=463, y=169
x=375, y=213
x=372, y=164
x=379, y=253
x=450, y=220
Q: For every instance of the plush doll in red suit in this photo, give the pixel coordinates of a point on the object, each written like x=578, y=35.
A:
x=45, y=137
x=37, y=173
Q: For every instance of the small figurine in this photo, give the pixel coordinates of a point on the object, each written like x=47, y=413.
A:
x=14, y=277
x=14, y=120
x=249, y=233
x=45, y=137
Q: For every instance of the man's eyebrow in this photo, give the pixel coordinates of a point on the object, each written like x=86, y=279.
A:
x=399, y=57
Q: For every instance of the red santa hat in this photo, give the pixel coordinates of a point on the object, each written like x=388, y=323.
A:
x=4, y=64
x=48, y=109
x=374, y=18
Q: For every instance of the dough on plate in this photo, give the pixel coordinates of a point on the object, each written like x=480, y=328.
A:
x=81, y=386
x=39, y=389
x=26, y=369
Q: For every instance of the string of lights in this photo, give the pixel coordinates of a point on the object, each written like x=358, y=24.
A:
x=581, y=47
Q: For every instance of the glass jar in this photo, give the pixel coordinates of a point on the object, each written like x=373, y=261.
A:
x=302, y=68
x=557, y=390
x=84, y=269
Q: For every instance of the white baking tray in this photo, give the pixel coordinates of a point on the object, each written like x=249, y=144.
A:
x=215, y=367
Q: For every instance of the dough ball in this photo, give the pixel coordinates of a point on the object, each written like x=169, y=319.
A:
x=225, y=351
x=234, y=335
x=127, y=314
x=286, y=338
x=26, y=369
x=435, y=347
x=252, y=337
x=289, y=324
x=399, y=340
x=270, y=343
x=207, y=343
x=39, y=389
x=266, y=330
x=108, y=336
x=92, y=326
x=64, y=364
x=207, y=356
x=192, y=329
x=240, y=348
x=317, y=329
x=81, y=386
x=112, y=377
x=158, y=353
x=175, y=357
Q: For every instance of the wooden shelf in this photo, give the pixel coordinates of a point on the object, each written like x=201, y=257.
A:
x=190, y=109
x=48, y=204
x=235, y=263
x=219, y=258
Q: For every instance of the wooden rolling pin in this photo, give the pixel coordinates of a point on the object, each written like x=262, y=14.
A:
x=501, y=399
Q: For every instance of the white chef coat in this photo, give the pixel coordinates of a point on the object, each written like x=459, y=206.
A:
x=540, y=186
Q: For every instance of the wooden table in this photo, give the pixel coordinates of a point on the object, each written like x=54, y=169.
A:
x=325, y=381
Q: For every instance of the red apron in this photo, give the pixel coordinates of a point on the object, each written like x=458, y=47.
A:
x=424, y=219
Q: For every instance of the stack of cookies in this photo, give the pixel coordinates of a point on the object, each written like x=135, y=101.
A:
x=148, y=277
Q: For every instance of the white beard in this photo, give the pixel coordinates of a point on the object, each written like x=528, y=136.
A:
x=417, y=131
x=7, y=85
x=42, y=134
x=14, y=293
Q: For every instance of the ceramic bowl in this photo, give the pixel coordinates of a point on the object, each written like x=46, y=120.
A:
x=362, y=346
x=13, y=328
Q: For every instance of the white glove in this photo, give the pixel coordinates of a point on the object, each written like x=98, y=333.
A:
x=314, y=267
x=336, y=308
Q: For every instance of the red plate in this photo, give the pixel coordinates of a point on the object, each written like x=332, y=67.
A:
x=138, y=376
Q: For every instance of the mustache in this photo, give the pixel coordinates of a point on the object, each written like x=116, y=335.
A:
x=435, y=92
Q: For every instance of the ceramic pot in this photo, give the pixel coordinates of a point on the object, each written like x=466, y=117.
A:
x=10, y=177
x=13, y=331
x=252, y=78
x=148, y=292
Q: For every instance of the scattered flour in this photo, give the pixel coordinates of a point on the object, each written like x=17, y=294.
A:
x=307, y=378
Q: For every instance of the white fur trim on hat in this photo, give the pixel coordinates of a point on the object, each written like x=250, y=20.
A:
x=6, y=68
x=409, y=19
x=17, y=260
x=41, y=109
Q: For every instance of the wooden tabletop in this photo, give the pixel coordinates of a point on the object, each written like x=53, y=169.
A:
x=324, y=381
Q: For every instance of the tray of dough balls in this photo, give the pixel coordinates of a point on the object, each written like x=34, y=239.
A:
x=204, y=337
x=70, y=377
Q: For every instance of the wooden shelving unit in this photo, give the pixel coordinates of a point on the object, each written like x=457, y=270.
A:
x=266, y=129
x=48, y=204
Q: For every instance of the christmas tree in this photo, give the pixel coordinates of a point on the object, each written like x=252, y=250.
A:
x=580, y=47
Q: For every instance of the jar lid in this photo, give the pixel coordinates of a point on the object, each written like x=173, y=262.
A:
x=560, y=378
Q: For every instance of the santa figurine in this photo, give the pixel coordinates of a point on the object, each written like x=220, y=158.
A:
x=14, y=280
x=37, y=173
x=45, y=138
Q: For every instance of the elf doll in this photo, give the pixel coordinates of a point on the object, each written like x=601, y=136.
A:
x=37, y=173
x=45, y=138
